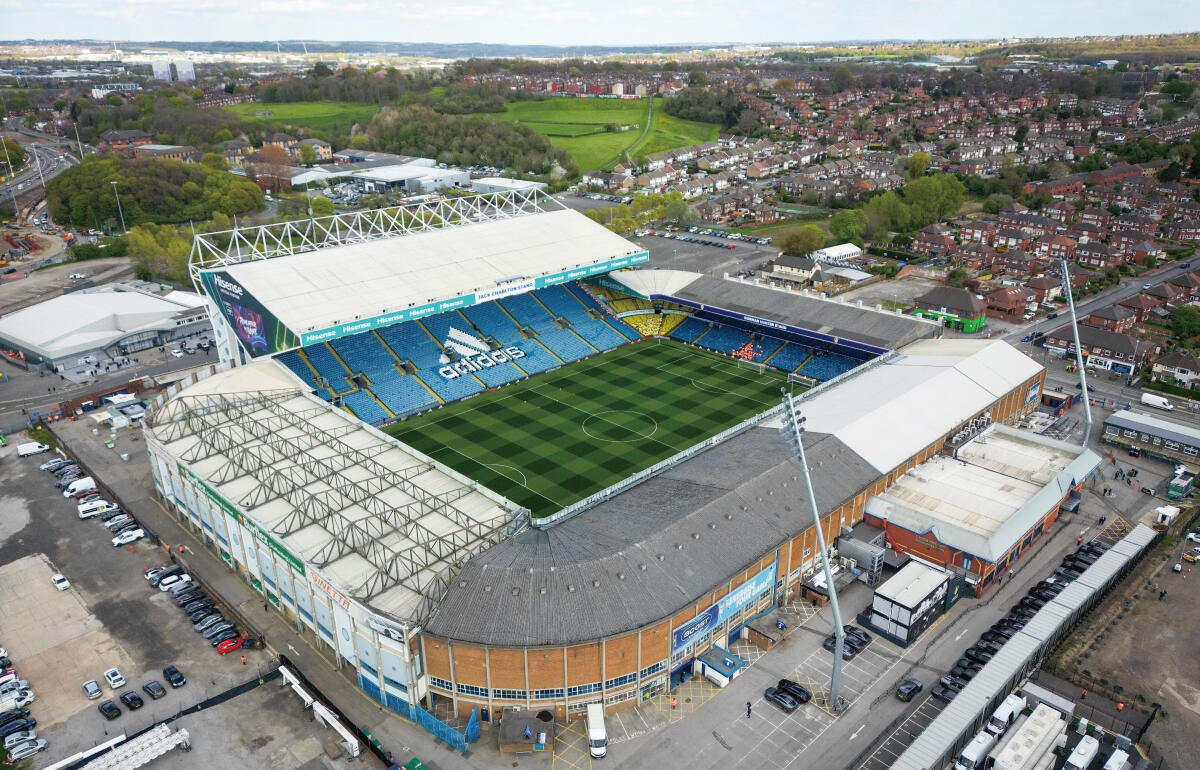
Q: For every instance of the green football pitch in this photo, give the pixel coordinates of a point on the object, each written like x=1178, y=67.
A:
x=558, y=437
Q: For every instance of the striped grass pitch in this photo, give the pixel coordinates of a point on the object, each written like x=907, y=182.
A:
x=561, y=436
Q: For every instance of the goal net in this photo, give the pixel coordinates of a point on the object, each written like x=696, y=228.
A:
x=758, y=366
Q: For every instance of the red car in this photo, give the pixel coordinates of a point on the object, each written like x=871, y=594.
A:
x=229, y=645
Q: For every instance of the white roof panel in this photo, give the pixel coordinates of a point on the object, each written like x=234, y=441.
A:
x=326, y=287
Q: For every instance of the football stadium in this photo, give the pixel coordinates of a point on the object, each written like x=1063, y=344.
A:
x=489, y=458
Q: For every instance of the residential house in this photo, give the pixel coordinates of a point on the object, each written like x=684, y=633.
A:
x=1044, y=288
x=1011, y=303
x=323, y=149
x=1011, y=238
x=1098, y=255
x=283, y=141
x=181, y=152
x=1114, y=318
x=1177, y=367
x=1190, y=283
x=125, y=141
x=1142, y=307
x=957, y=308
x=801, y=270
x=975, y=256
x=1167, y=294
x=982, y=231
x=1101, y=348
x=934, y=241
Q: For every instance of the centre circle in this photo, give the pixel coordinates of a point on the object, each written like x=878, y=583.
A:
x=619, y=427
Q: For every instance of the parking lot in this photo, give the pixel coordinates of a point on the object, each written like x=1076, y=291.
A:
x=111, y=617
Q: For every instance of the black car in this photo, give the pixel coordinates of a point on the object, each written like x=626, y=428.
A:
x=855, y=632
x=109, y=710
x=202, y=603
x=1095, y=547
x=991, y=647
x=1022, y=610
x=110, y=515
x=1052, y=587
x=1020, y=621
x=965, y=674
x=994, y=637
x=1033, y=602
x=154, y=689
x=953, y=682
x=1043, y=594
x=781, y=699
x=132, y=700
x=798, y=693
x=944, y=694
x=201, y=614
x=972, y=665
x=187, y=597
x=978, y=655
x=908, y=689
x=848, y=650
x=9, y=716
x=173, y=677
x=1067, y=574
x=16, y=726
x=229, y=633
x=1005, y=629
x=1085, y=557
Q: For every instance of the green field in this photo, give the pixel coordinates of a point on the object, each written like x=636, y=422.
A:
x=570, y=115
x=321, y=116
x=556, y=438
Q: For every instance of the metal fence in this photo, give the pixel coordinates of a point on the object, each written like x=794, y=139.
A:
x=447, y=734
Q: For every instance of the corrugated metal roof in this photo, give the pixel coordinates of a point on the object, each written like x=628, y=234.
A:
x=949, y=729
x=1154, y=426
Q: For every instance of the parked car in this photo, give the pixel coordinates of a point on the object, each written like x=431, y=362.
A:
x=17, y=725
x=109, y=710
x=229, y=645
x=965, y=674
x=230, y=633
x=187, y=597
x=1032, y=603
x=128, y=536
x=114, y=678
x=91, y=688
x=217, y=628
x=174, y=677
x=54, y=463
x=153, y=689
x=848, y=650
x=206, y=622
x=944, y=694
x=27, y=749
x=17, y=739
x=202, y=613
x=132, y=700
x=795, y=690
x=908, y=689
x=12, y=715
x=857, y=633
x=202, y=602
x=59, y=581
x=994, y=637
x=978, y=655
x=953, y=682
x=781, y=699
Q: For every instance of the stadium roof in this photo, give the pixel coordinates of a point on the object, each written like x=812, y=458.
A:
x=879, y=329
x=911, y=399
x=648, y=553
x=88, y=320
x=384, y=524
x=651, y=551
x=339, y=284
x=986, y=498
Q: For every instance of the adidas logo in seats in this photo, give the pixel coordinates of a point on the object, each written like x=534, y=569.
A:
x=474, y=355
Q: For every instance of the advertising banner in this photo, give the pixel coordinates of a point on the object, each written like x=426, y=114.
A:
x=259, y=332
x=746, y=593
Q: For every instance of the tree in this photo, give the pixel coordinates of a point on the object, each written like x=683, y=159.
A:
x=321, y=207
x=308, y=155
x=360, y=142
x=1171, y=173
x=842, y=78
x=849, y=225
x=1185, y=321
x=956, y=278
x=273, y=161
x=681, y=212
x=918, y=162
x=16, y=155
x=214, y=161
x=785, y=84
x=1149, y=260
x=1020, y=134
x=996, y=201
x=804, y=241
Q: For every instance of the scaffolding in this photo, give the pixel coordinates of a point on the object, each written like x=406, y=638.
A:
x=329, y=477
x=142, y=750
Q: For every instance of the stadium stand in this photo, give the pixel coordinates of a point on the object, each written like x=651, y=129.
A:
x=365, y=408
x=566, y=344
x=689, y=330
x=647, y=324
x=293, y=361
x=600, y=335
x=528, y=311
x=404, y=395
x=630, y=304
x=327, y=364
x=790, y=357
x=827, y=366
x=724, y=339
x=537, y=359
x=624, y=329
x=563, y=304
x=671, y=321
x=366, y=353
x=410, y=342
x=493, y=322
x=450, y=390
x=584, y=296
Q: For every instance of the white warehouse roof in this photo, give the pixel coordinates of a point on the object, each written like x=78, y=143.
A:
x=341, y=284
x=926, y=390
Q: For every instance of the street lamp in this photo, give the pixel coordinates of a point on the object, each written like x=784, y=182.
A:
x=121, y=213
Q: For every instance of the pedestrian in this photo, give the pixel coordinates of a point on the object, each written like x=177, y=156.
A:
x=244, y=663
x=1079, y=540
x=181, y=548
x=1082, y=695
x=673, y=702
x=1162, y=595
x=264, y=606
x=1010, y=573
x=1000, y=581
x=747, y=709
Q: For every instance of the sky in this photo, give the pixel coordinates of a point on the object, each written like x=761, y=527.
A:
x=589, y=22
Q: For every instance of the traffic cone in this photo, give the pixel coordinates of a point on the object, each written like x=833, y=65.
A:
x=131, y=549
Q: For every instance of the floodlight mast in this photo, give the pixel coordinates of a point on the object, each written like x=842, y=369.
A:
x=793, y=432
x=1083, y=386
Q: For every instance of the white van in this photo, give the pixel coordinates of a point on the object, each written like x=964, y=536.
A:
x=95, y=508
x=85, y=484
x=975, y=754
x=597, y=735
x=1118, y=760
x=28, y=450
x=1005, y=714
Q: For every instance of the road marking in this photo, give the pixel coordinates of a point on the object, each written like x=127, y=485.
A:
x=961, y=634
x=854, y=734
x=293, y=649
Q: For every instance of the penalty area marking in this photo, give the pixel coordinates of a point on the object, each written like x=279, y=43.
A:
x=497, y=466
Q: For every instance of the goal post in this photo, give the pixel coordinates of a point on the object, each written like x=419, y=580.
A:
x=758, y=366
x=807, y=382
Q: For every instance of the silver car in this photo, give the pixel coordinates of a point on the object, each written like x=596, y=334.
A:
x=91, y=688
x=204, y=623
x=19, y=738
x=27, y=749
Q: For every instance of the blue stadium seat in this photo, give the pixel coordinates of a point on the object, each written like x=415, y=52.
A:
x=493, y=322
x=792, y=355
x=364, y=407
x=451, y=390
x=828, y=366
x=404, y=395
x=411, y=342
x=292, y=360
x=440, y=325
x=327, y=365
x=365, y=353
x=501, y=374
x=563, y=304
x=566, y=344
x=536, y=359
x=526, y=309
x=582, y=293
x=623, y=328
x=724, y=339
x=599, y=334
x=689, y=330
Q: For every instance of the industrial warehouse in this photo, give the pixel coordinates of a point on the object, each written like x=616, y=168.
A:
x=437, y=589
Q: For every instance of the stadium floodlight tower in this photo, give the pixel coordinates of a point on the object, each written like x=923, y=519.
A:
x=1083, y=386
x=793, y=431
